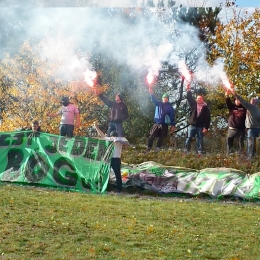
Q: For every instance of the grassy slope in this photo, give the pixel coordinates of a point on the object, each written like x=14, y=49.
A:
x=41, y=223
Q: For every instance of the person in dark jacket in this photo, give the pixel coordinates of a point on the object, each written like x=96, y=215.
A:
x=164, y=116
x=118, y=113
x=199, y=121
x=236, y=123
x=252, y=122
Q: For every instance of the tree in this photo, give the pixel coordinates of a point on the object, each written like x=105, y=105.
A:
x=32, y=86
x=190, y=38
x=238, y=44
x=28, y=74
x=114, y=78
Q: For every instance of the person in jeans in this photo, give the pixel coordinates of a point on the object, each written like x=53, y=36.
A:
x=236, y=123
x=69, y=112
x=199, y=120
x=118, y=113
x=252, y=123
x=164, y=116
x=119, y=142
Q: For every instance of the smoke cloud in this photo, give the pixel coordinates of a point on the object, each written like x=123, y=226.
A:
x=142, y=43
x=109, y=3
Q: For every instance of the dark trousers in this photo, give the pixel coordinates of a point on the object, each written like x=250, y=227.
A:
x=66, y=130
x=118, y=127
x=116, y=166
x=159, y=131
x=235, y=133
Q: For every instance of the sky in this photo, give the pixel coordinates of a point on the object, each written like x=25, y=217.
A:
x=248, y=3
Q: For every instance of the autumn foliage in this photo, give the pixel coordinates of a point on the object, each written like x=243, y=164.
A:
x=31, y=87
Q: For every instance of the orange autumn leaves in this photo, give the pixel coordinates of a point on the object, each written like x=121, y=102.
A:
x=30, y=87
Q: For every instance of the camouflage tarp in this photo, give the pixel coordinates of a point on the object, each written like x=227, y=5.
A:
x=215, y=182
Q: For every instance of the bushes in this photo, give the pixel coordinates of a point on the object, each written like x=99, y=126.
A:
x=173, y=154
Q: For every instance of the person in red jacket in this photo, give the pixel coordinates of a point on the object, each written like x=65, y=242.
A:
x=118, y=113
x=199, y=120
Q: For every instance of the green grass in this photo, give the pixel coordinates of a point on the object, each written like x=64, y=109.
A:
x=38, y=223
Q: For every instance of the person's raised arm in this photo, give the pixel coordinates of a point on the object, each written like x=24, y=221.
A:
x=188, y=87
x=229, y=103
x=191, y=100
x=108, y=102
x=100, y=132
x=53, y=114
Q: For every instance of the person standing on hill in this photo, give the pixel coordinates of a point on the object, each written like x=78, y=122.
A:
x=118, y=113
x=252, y=122
x=164, y=115
x=236, y=123
x=119, y=143
x=199, y=120
x=68, y=114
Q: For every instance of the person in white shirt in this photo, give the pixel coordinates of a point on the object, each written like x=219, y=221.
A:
x=119, y=142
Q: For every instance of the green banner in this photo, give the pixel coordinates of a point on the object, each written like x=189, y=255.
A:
x=83, y=164
x=78, y=163
x=213, y=182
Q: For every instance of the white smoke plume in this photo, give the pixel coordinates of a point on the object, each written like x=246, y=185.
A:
x=142, y=44
x=109, y=3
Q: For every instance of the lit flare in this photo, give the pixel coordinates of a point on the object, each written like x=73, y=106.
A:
x=150, y=79
x=186, y=74
x=90, y=77
x=226, y=83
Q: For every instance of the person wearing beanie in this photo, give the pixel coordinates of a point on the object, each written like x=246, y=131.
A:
x=118, y=113
x=119, y=143
x=236, y=123
x=252, y=122
x=199, y=121
x=69, y=113
x=164, y=115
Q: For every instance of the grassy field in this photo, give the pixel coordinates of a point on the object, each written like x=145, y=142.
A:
x=38, y=223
